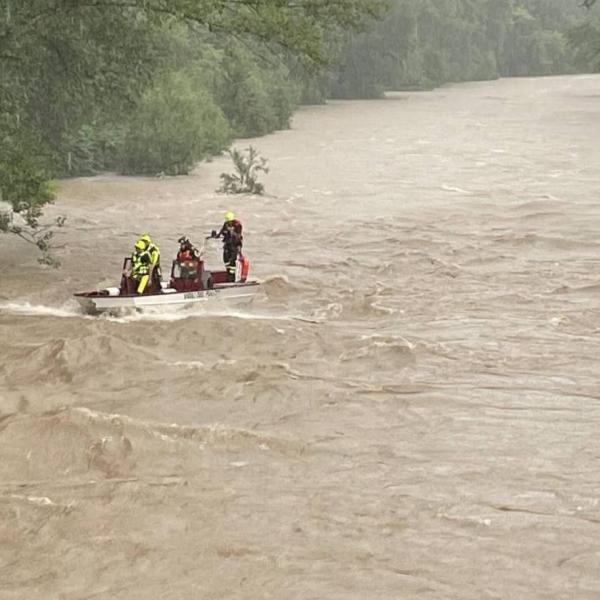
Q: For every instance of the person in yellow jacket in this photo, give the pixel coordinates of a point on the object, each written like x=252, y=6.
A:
x=154, y=252
x=140, y=266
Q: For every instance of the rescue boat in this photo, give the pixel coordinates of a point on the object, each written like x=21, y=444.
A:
x=190, y=283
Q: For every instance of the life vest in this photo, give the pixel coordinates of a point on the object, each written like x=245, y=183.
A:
x=154, y=252
x=188, y=253
x=232, y=233
x=140, y=264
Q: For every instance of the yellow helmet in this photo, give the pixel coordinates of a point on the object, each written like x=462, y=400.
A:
x=141, y=244
x=229, y=216
x=146, y=238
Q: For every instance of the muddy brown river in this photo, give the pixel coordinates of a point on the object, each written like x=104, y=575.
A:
x=409, y=409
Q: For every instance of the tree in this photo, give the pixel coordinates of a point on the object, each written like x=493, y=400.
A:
x=585, y=39
x=176, y=125
x=59, y=68
x=25, y=187
x=256, y=98
x=424, y=43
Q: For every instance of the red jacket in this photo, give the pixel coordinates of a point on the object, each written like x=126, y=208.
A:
x=231, y=232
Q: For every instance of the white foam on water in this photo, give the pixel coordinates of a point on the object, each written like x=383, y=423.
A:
x=164, y=314
x=66, y=311
x=457, y=190
x=171, y=314
x=189, y=364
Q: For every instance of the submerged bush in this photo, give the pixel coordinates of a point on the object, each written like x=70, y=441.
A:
x=247, y=166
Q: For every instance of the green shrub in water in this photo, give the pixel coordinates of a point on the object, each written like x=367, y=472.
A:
x=247, y=166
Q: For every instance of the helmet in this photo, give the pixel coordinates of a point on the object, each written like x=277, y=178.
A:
x=229, y=216
x=183, y=240
x=146, y=238
x=141, y=244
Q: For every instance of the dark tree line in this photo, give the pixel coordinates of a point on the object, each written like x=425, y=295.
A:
x=585, y=39
x=423, y=43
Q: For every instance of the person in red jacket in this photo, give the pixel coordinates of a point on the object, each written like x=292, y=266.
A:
x=187, y=257
x=231, y=232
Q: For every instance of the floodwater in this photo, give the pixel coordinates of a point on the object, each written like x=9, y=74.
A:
x=410, y=409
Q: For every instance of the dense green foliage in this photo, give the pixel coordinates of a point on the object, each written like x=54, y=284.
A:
x=424, y=43
x=585, y=39
x=176, y=123
x=256, y=97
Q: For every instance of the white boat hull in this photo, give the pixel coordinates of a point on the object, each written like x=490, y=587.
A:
x=233, y=293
